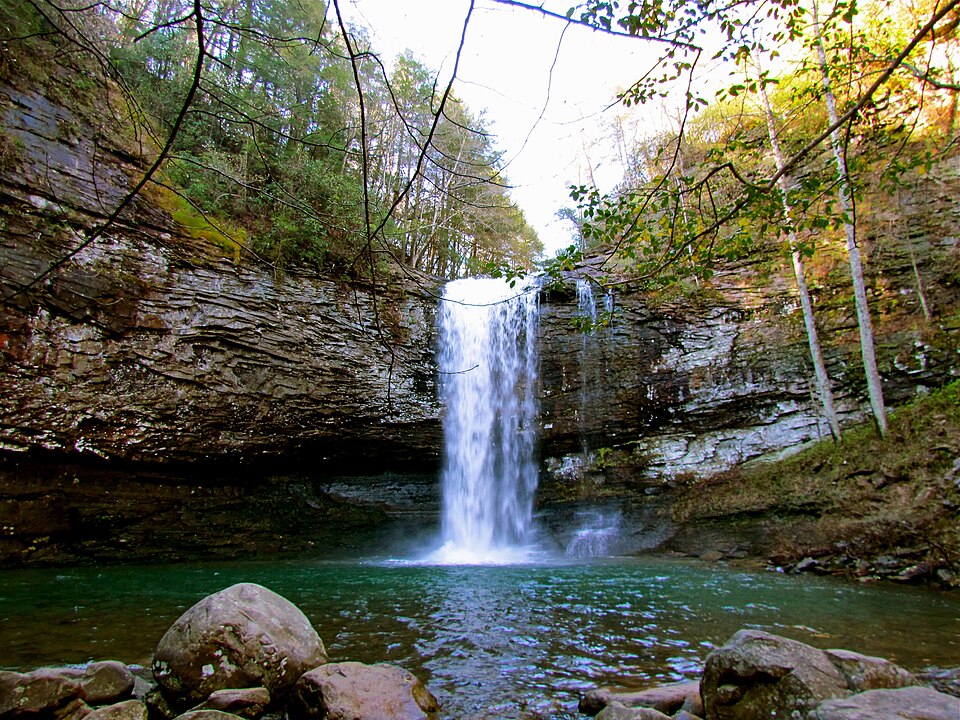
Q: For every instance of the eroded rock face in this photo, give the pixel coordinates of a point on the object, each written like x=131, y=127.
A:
x=694, y=388
x=148, y=348
x=243, y=636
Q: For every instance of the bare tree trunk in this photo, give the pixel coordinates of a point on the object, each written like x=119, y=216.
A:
x=867, y=344
x=786, y=183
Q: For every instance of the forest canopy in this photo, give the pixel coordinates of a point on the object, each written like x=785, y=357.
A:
x=292, y=141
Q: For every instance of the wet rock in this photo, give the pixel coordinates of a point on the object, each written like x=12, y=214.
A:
x=243, y=636
x=159, y=704
x=42, y=692
x=207, y=715
x=863, y=672
x=245, y=702
x=347, y=690
x=756, y=676
x=810, y=565
x=127, y=710
x=912, y=703
x=685, y=715
x=945, y=680
x=103, y=682
x=914, y=573
x=619, y=711
x=947, y=577
x=693, y=705
x=665, y=698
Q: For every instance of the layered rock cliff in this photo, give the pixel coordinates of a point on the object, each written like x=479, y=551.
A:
x=185, y=370
x=149, y=346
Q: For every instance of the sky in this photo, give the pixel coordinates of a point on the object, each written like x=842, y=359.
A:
x=545, y=89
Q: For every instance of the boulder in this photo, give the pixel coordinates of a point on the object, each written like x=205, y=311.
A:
x=863, y=672
x=910, y=703
x=207, y=715
x=41, y=692
x=693, y=705
x=243, y=636
x=126, y=710
x=665, y=698
x=160, y=705
x=246, y=702
x=619, y=711
x=758, y=676
x=103, y=682
x=352, y=690
x=686, y=715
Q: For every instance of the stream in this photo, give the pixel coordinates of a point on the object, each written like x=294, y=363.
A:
x=491, y=641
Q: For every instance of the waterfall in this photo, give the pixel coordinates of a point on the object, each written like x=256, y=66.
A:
x=488, y=385
x=596, y=537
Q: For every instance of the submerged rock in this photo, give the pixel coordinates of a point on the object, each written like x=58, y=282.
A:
x=352, y=690
x=243, y=636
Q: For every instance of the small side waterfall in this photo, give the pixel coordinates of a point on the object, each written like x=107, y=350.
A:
x=488, y=384
x=597, y=536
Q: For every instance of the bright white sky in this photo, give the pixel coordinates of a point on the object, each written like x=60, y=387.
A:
x=505, y=72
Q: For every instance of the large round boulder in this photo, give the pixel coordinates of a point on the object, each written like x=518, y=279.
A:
x=759, y=676
x=243, y=636
x=352, y=690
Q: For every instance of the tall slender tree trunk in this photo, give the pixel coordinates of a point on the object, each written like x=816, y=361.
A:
x=867, y=344
x=822, y=379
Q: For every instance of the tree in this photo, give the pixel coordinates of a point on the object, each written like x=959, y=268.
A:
x=787, y=186
x=845, y=195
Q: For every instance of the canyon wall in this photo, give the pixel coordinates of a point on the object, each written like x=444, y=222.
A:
x=149, y=355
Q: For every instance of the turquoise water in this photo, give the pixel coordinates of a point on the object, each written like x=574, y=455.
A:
x=491, y=642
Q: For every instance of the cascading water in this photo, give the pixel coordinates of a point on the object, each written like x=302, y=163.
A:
x=488, y=384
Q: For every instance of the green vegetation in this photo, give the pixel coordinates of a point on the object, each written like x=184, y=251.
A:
x=284, y=137
x=864, y=496
x=861, y=103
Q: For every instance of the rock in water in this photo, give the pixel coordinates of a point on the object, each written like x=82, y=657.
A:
x=243, y=636
x=103, y=683
x=758, y=676
x=41, y=693
x=619, y=711
x=352, y=691
x=911, y=703
x=864, y=672
x=126, y=710
x=665, y=698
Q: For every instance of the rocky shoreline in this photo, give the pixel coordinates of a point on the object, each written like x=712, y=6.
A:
x=246, y=652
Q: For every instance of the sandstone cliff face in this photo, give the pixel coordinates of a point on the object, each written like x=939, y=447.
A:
x=692, y=388
x=148, y=348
